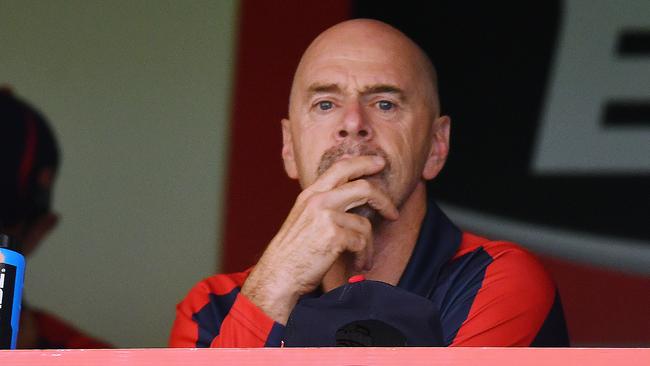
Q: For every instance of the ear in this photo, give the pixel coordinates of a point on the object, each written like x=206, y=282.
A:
x=38, y=231
x=287, y=150
x=439, y=148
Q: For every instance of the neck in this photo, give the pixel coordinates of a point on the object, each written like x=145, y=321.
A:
x=393, y=243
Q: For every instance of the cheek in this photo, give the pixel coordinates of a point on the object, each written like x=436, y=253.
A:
x=309, y=150
x=401, y=148
x=409, y=155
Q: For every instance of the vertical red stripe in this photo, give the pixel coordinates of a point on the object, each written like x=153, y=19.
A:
x=272, y=37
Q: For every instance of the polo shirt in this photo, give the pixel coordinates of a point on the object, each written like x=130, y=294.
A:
x=488, y=293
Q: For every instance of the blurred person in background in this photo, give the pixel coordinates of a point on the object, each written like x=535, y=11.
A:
x=29, y=159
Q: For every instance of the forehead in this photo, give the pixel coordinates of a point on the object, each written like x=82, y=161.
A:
x=358, y=63
x=354, y=73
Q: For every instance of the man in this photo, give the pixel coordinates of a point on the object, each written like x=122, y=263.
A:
x=29, y=158
x=363, y=136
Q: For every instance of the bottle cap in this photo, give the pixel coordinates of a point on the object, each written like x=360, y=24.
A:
x=4, y=241
x=7, y=242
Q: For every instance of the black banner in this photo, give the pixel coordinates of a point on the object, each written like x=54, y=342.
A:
x=496, y=62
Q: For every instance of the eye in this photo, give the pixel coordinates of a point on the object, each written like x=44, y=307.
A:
x=385, y=105
x=325, y=105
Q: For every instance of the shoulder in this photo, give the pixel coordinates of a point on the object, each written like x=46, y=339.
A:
x=219, y=285
x=501, y=294
x=505, y=262
x=200, y=316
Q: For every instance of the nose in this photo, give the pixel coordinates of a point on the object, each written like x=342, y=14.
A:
x=355, y=124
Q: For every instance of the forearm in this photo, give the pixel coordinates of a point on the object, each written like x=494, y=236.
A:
x=216, y=314
x=272, y=295
x=248, y=326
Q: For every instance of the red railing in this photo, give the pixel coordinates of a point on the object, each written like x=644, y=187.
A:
x=332, y=356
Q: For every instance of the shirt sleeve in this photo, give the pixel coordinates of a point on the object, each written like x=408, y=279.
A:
x=54, y=332
x=513, y=300
x=216, y=314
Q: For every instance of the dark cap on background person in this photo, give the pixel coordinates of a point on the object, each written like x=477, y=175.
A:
x=29, y=158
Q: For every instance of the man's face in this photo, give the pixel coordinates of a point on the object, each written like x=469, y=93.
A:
x=364, y=94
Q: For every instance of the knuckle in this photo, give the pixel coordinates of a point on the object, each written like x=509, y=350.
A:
x=327, y=217
x=330, y=229
x=333, y=171
x=315, y=200
x=338, y=165
x=363, y=184
x=304, y=195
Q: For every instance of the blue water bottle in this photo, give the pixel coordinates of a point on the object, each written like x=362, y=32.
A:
x=12, y=273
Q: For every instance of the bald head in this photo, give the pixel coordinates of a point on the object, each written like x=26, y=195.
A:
x=368, y=40
x=363, y=88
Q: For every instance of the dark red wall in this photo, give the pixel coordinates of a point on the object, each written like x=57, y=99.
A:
x=272, y=36
x=602, y=307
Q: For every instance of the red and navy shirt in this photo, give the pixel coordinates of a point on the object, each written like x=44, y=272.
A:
x=488, y=293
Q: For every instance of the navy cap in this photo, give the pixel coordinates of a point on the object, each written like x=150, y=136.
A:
x=364, y=313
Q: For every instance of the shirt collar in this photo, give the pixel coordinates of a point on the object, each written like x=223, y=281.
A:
x=437, y=242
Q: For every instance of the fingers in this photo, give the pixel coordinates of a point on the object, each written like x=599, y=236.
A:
x=357, y=193
x=316, y=233
x=346, y=170
x=356, y=238
x=338, y=189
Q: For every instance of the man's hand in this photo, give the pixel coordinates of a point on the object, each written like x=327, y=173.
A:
x=316, y=232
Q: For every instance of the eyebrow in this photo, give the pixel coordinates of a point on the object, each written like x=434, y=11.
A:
x=383, y=88
x=323, y=88
x=371, y=89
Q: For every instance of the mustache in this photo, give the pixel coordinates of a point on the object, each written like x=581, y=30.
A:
x=334, y=154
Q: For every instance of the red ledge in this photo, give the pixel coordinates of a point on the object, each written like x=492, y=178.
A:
x=332, y=356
